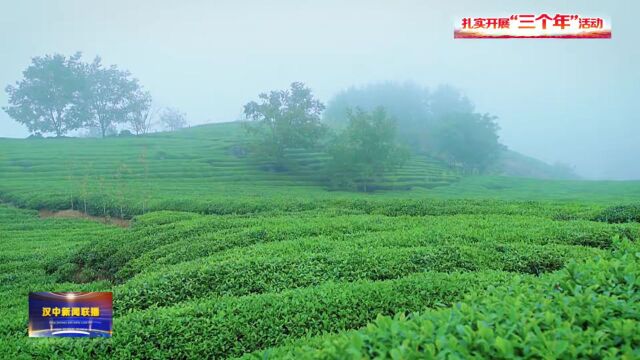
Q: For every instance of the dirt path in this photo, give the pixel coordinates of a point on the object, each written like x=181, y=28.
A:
x=74, y=214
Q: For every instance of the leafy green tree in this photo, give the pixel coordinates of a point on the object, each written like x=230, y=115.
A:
x=407, y=103
x=441, y=123
x=111, y=96
x=282, y=120
x=46, y=100
x=469, y=140
x=415, y=108
x=365, y=151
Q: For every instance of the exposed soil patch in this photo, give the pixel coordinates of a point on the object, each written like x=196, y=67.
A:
x=75, y=214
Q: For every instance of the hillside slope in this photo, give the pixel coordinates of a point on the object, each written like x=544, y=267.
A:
x=259, y=259
x=129, y=174
x=205, y=169
x=512, y=163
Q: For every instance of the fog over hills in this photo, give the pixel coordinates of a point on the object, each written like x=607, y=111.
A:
x=567, y=101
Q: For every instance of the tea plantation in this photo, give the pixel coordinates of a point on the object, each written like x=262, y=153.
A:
x=224, y=258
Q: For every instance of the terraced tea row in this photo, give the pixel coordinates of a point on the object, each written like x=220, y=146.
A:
x=205, y=169
x=246, y=282
x=153, y=243
x=26, y=244
x=115, y=174
x=588, y=310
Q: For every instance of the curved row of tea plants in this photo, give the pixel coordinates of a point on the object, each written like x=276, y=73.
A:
x=184, y=237
x=269, y=279
x=232, y=326
x=26, y=244
x=303, y=263
x=588, y=310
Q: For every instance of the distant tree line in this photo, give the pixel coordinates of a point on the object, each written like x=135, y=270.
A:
x=442, y=123
x=59, y=94
x=368, y=132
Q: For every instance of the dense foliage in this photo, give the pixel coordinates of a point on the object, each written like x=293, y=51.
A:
x=442, y=123
x=587, y=310
x=285, y=119
x=415, y=108
x=60, y=94
x=110, y=96
x=190, y=285
x=48, y=100
x=468, y=140
x=365, y=151
x=407, y=103
x=620, y=214
x=365, y=146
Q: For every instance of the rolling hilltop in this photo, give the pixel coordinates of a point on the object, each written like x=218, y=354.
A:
x=204, y=162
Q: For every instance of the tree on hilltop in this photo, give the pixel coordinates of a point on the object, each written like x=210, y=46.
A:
x=59, y=94
x=365, y=151
x=112, y=96
x=47, y=99
x=284, y=119
x=172, y=119
x=469, y=140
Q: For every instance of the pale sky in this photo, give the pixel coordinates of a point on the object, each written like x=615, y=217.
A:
x=572, y=101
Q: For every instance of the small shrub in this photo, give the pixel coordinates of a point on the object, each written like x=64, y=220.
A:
x=620, y=214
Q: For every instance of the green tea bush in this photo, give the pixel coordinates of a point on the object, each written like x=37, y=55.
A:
x=293, y=264
x=620, y=214
x=152, y=238
x=224, y=327
x=168, y=238
x=587, y=310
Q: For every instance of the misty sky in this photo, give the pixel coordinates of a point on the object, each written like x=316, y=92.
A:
x=573, y=101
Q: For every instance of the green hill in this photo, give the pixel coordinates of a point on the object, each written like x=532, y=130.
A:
x=515, y=164
x=273, y=265
x=204, y=162
x=205, y=169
